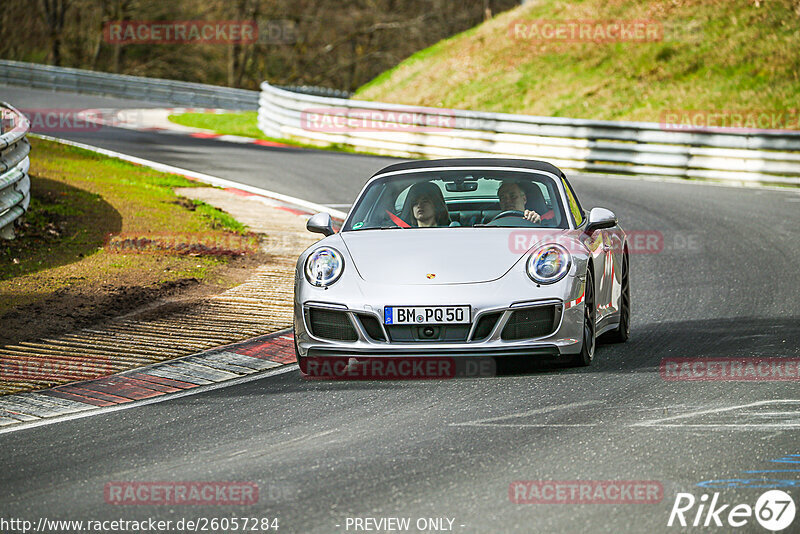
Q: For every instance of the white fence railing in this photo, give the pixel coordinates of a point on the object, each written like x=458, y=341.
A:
x=15, y=185
x=134, y=87
x=637, y=148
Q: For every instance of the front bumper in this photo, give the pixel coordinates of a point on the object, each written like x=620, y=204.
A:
x=505, y=295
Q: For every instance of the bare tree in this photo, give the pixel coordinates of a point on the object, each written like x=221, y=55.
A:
x=55, y=12
x=239, y=54
x=339, y=43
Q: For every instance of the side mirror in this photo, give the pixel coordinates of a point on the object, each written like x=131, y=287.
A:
x=320, y=224
x=600, y=218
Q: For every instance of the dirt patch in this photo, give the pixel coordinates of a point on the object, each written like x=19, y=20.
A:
x=82, y=306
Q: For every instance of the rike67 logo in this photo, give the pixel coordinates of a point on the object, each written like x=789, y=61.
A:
x=774, y=510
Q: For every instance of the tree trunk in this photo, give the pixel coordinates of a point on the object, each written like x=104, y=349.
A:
x=54, y=14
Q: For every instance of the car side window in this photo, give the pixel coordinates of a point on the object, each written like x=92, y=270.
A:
x=574, y=207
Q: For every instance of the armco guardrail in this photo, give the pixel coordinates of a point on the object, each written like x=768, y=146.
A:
x=316, y=91
x=15, y=185
x=120, y=85
x=637, y=148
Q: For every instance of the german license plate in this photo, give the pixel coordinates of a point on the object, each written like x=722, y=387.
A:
x=426, y=314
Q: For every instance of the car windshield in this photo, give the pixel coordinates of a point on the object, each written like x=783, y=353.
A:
x=459, y=198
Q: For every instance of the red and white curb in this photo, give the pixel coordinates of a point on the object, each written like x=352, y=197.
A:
x=157, y=120
x=235, y=139
x=194, y=373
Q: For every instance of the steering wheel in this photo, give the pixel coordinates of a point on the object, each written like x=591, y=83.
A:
x=508, y=213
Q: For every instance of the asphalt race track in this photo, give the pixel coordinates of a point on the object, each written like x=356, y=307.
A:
x=723, y=283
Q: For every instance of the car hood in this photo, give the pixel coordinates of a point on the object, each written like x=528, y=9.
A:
x=433, y=256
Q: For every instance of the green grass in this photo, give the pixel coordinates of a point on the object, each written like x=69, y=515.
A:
x=219, y=219
x=78, y=199
x=733, y=55
x=244, y=124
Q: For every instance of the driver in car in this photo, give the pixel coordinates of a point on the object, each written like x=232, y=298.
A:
x=512, y=197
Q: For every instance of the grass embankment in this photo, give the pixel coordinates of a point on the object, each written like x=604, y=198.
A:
x=727, y=55
x=60, y=262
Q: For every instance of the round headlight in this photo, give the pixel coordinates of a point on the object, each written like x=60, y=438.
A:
x=324, y=266
x=549, y=264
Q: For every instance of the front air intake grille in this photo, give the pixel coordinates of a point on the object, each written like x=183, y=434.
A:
x=530, y=323
x=454, y=333
x=485, y=326
x=330, y=324
x=372, y=327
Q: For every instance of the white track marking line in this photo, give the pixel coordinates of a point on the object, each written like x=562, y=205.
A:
x=206, y=178
x=664, y=422
x=527, y=425
x=546, y=409
x=161, y=398
x=734, y=425
x=300, y=439
x=763, y=414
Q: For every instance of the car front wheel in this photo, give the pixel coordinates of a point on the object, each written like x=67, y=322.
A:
x=623, y=331
x=586, y=354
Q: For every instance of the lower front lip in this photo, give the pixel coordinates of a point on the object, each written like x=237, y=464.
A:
x=542, y=351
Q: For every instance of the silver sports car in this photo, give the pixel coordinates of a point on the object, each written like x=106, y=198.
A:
x=464, y=257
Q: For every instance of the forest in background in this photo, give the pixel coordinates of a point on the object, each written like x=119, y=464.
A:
x=334, y=43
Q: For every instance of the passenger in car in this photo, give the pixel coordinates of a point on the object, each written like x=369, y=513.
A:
x=513, y=197
x=425, y=206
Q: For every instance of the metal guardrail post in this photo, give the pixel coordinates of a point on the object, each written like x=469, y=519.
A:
x=15, y=185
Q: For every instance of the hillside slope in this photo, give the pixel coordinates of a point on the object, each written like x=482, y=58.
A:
x=714, y=55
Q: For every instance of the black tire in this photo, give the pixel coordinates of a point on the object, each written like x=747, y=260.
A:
x=584, y=358
x=623, y=331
